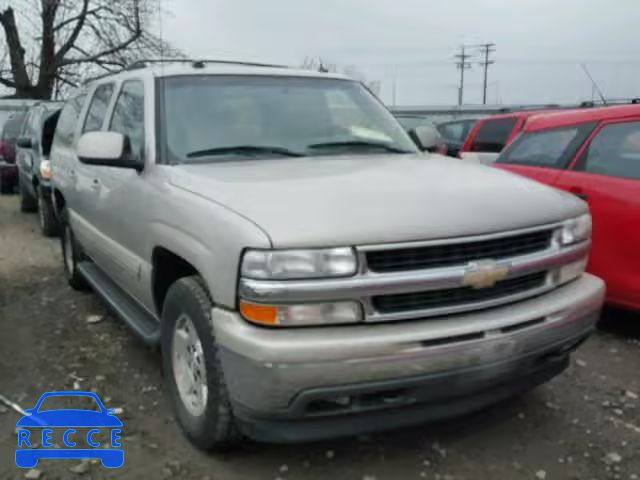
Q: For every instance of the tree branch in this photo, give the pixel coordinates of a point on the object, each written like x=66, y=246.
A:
x=7, y=83
x=69, y=21
x=64, y=49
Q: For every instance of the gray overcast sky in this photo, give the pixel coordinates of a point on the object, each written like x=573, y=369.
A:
x=540, y=43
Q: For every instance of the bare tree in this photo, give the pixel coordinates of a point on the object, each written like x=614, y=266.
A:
x=51, y=44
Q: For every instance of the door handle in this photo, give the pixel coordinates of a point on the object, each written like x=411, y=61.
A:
x=578, y=192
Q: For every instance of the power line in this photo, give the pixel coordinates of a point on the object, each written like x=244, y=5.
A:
x=488, y=49
x=462, y=65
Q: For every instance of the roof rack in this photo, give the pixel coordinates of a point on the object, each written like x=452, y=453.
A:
x=197, y=63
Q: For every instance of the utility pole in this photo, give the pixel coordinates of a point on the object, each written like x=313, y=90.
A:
x=462, y=65
x=488, y=49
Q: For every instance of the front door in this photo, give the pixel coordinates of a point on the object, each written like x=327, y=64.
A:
x=606, y=174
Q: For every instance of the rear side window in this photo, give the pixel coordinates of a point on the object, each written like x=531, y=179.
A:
x=456, y=131
x=68, y=121
x=492, y=135
x=98, y=108
x=614, y=152
x=541, y=149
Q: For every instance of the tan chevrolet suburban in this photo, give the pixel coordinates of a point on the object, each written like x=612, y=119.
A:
x=308, y=271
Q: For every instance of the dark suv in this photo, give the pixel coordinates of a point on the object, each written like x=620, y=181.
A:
x=34, y=167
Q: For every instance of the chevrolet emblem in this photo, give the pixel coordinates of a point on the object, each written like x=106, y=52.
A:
x=484, y=274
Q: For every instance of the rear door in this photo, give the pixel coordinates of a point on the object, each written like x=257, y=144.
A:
x=606, y=174
x=489, y=139
x=543, y=155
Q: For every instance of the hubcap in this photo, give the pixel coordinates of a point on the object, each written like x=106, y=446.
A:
x=189, y=370
x=68, y=250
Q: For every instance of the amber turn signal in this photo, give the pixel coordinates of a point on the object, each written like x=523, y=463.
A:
x=260, y=314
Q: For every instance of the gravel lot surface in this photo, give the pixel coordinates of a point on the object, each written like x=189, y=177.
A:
x=583, y=425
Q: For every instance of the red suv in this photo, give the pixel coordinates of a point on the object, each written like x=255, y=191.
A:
x=594, y=154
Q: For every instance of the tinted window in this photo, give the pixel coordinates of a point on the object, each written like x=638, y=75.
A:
x=128, y=115
x=66, y=128
x=98, y=108
x=31, y=124
x=409, y=123
x=542, y=149
x=614, y=151
x=310, y=116
x=492, y=135
x=457, y=131
x=13, y=126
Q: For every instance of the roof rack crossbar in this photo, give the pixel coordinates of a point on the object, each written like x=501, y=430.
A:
x=197, y=63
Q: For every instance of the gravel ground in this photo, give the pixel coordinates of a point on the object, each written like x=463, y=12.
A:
x=583, y=425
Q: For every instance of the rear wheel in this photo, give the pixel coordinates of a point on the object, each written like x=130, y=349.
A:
x=193, y=373
x=28, y=204
x=71, y=256
x=49, y=224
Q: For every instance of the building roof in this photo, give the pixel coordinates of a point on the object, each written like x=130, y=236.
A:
x=575, y=117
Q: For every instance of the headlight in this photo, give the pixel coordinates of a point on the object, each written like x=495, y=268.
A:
x=302, y=315
x=45, y=170
x=576, y=230
x=297, y=264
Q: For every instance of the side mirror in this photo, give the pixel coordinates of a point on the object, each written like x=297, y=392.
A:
x=427, y=138
x=24, y=142
x=109, y=149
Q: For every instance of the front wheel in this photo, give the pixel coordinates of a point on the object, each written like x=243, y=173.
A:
x=71, y=256
x=28, y=204
x=49, y=225
x=193, y=374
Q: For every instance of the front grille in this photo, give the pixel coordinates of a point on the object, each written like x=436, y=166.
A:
x=417, y=258
x=454, y=297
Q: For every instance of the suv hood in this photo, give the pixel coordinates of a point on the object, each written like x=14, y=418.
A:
x=359, y=200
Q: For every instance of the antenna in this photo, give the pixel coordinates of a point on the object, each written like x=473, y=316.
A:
x=594, y=84
x=160, y=27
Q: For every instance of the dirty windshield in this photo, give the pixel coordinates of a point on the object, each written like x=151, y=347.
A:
x=209, y=116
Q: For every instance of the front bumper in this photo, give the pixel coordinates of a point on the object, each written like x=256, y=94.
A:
x=302, y=384
x=8, y=172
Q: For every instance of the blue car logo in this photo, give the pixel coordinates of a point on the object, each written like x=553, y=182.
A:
x=69, y=420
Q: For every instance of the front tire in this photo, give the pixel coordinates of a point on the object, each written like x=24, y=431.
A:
x=193, y=373
x=28, y=204
x=49, y=225
x=71, y=256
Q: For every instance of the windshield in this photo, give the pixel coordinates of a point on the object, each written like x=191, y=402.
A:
x=409, y=123
x=209, y=116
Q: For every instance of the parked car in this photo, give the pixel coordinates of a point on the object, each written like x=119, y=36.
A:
x=594, y=154
x=8, y=140
x=455, y=132
x=491, y=134
x=412, y=122
x=34, y=166
x=307, y=272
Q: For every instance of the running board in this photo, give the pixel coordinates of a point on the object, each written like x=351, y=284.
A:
x=145, y=325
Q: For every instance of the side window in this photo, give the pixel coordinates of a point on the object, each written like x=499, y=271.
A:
x=128, y=115
x=98, y=108
x=614, y=152
x=492, y=135
x=68, y=121
x=452, y=131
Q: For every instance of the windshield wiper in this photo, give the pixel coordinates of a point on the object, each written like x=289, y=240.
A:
x=359, y=144
x=247, y=149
